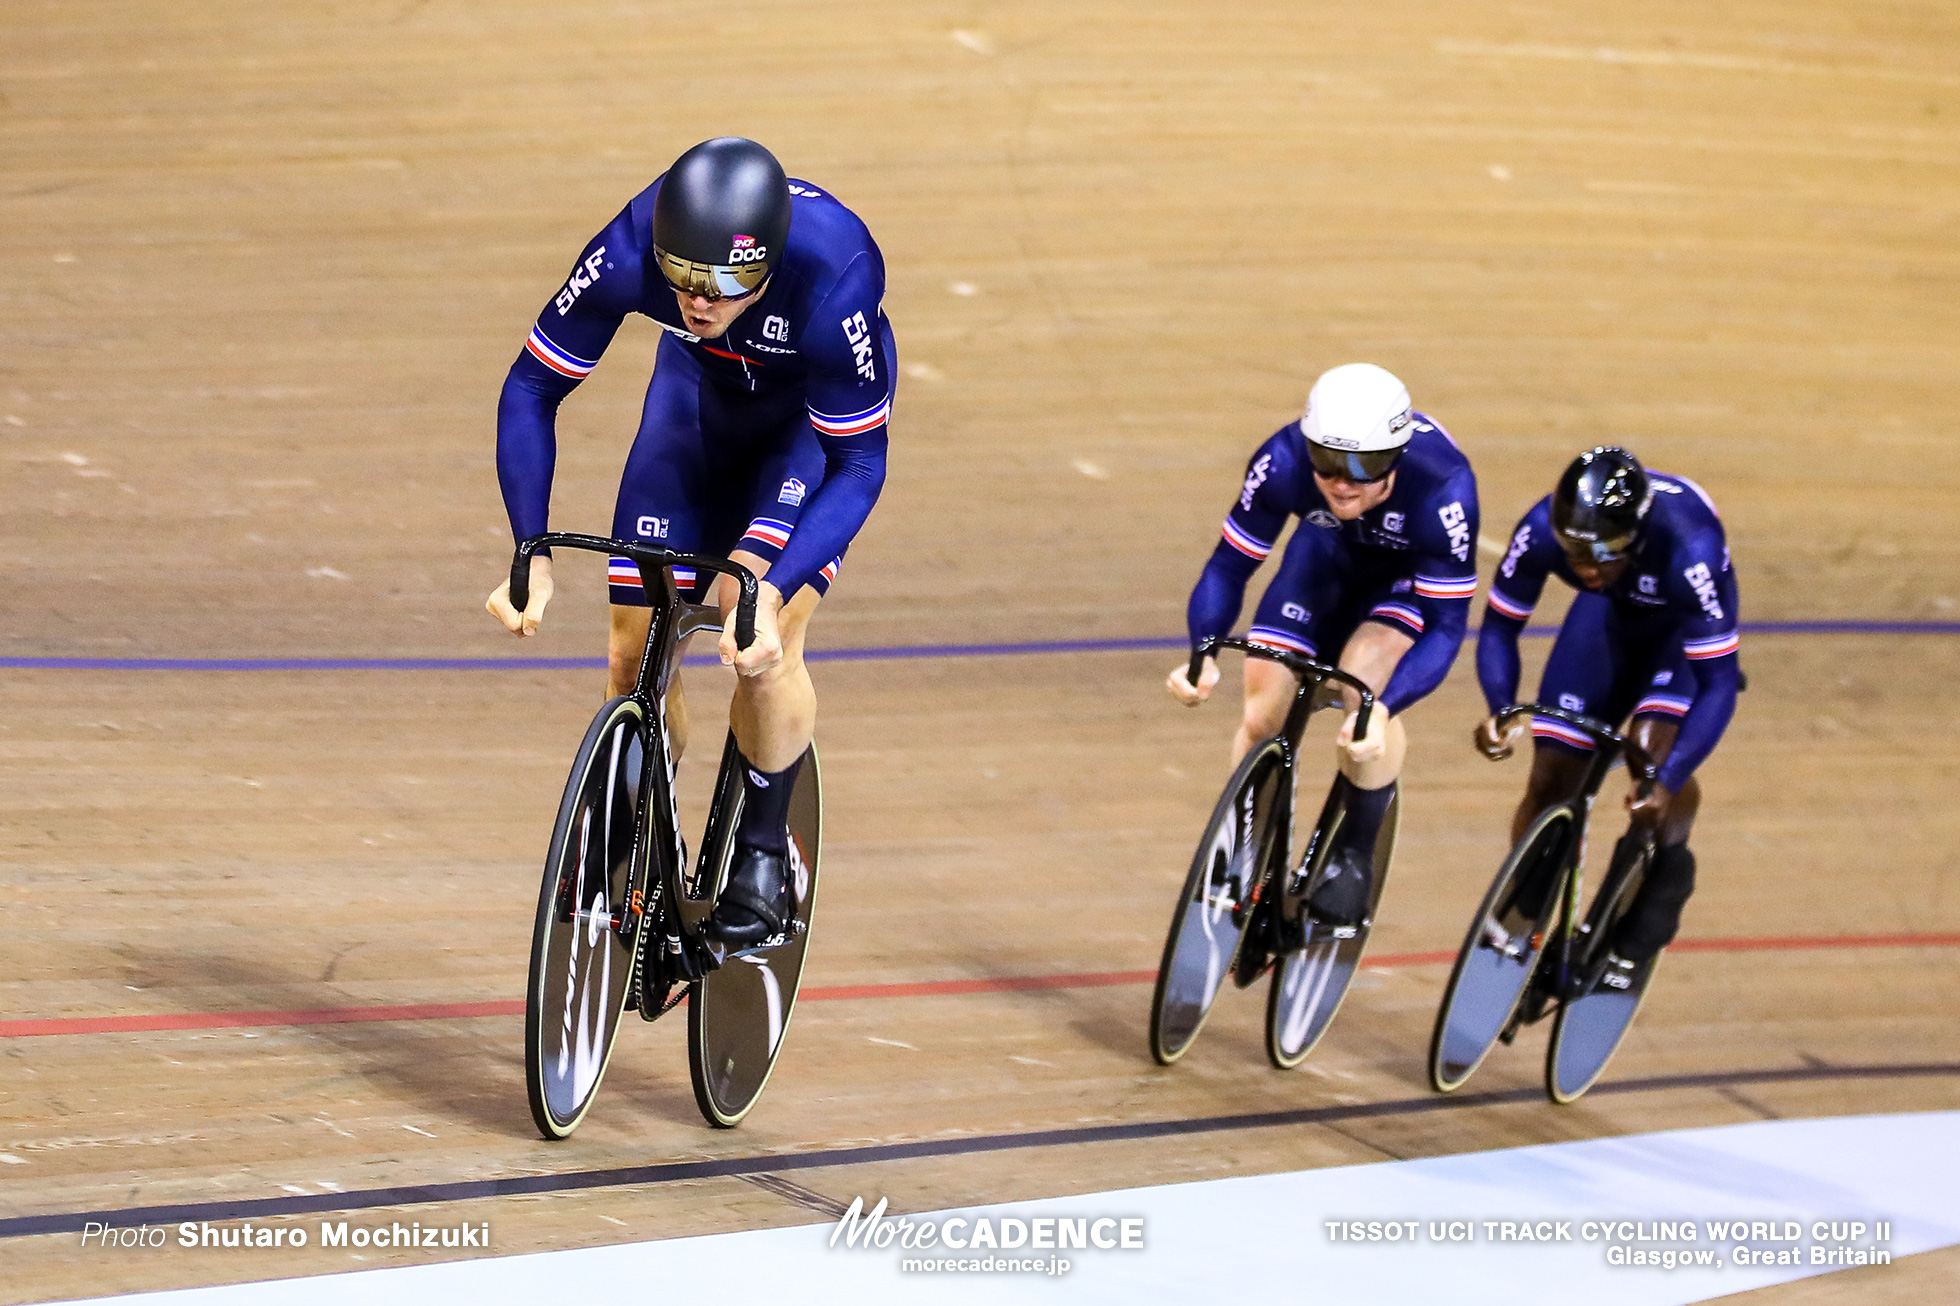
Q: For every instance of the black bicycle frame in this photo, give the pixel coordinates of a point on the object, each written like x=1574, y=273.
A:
x=650, y=688
x=1312, y=676
x=1611, y=745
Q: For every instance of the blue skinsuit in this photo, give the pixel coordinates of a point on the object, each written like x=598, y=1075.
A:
x=1407, y=562
x=771, y=438
x=1661, y=640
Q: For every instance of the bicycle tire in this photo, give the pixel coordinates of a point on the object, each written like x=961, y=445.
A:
x=1592, y=1022
x=1234, y=855
x=1487, y=981
x=1311, y=982
x=738, y=1016
x=581, y=972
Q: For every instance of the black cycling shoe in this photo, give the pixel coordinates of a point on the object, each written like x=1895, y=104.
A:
x=1342, y=897
x=754, y=904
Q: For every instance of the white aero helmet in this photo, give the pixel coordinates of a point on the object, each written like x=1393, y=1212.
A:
x=1357, y=422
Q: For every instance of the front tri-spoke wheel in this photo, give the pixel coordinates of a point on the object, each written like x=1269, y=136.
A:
x=1501, y=951
x=583, y=942
x=1247, y=831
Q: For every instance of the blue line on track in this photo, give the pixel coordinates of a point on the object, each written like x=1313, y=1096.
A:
x=886, y=653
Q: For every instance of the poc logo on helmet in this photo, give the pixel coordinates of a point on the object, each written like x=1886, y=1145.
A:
x=745, y=250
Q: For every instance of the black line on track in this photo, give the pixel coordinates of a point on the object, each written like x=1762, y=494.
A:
x=259, y=1208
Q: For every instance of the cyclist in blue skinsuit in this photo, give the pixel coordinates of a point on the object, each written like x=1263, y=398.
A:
x=1652, y=632
x=1379, y=575
x=763, y=439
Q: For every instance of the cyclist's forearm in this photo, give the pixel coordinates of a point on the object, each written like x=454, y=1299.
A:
x=1702, y=728
x=1498, y=665
x=854, y=476
x=1220, y=591
x=1429, y=659
x=527, y=450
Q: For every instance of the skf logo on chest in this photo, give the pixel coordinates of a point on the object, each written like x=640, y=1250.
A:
x=1457, y=523
x=745, y=250
x=581, y=280
x=1704, y=583
x=859, y=334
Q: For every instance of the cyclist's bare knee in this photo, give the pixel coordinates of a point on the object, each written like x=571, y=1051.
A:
x=626, y=642
x=1555, y=776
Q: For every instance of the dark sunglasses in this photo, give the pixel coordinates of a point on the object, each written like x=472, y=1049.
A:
x=1351, y=464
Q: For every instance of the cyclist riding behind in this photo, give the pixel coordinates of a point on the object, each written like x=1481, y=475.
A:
x=1379, y=572
x=762, y=439
x=1652, y=631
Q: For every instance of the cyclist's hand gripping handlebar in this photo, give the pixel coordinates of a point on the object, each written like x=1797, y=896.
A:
x=520, y=571
x=1639, y=761
x=1304, y=667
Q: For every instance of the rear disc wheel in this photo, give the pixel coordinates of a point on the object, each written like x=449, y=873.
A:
x=1592, y=1022
x=1310, y=982
x=739, y=1014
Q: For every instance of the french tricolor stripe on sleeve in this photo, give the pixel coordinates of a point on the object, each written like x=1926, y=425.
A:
x=1404, y=613
x=1446, y=587
x=558, y=360
x=1714, y=647
x=829, y=572
x=769, y=531
x=1510, y=607
x=1244, y=543
x=853, y=423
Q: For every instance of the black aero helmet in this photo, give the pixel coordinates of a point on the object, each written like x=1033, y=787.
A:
x=1600, y=503
x=721, y=219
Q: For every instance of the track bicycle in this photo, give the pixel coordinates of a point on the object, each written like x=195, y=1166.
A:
x=1244, y=908
x=620, y=910
x=1531, y=953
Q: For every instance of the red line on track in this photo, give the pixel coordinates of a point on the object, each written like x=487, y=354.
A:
x=925, y=989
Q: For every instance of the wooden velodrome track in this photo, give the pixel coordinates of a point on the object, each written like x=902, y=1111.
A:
x=263, y=267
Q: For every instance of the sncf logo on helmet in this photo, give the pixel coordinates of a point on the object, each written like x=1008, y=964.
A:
x=720, y=218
